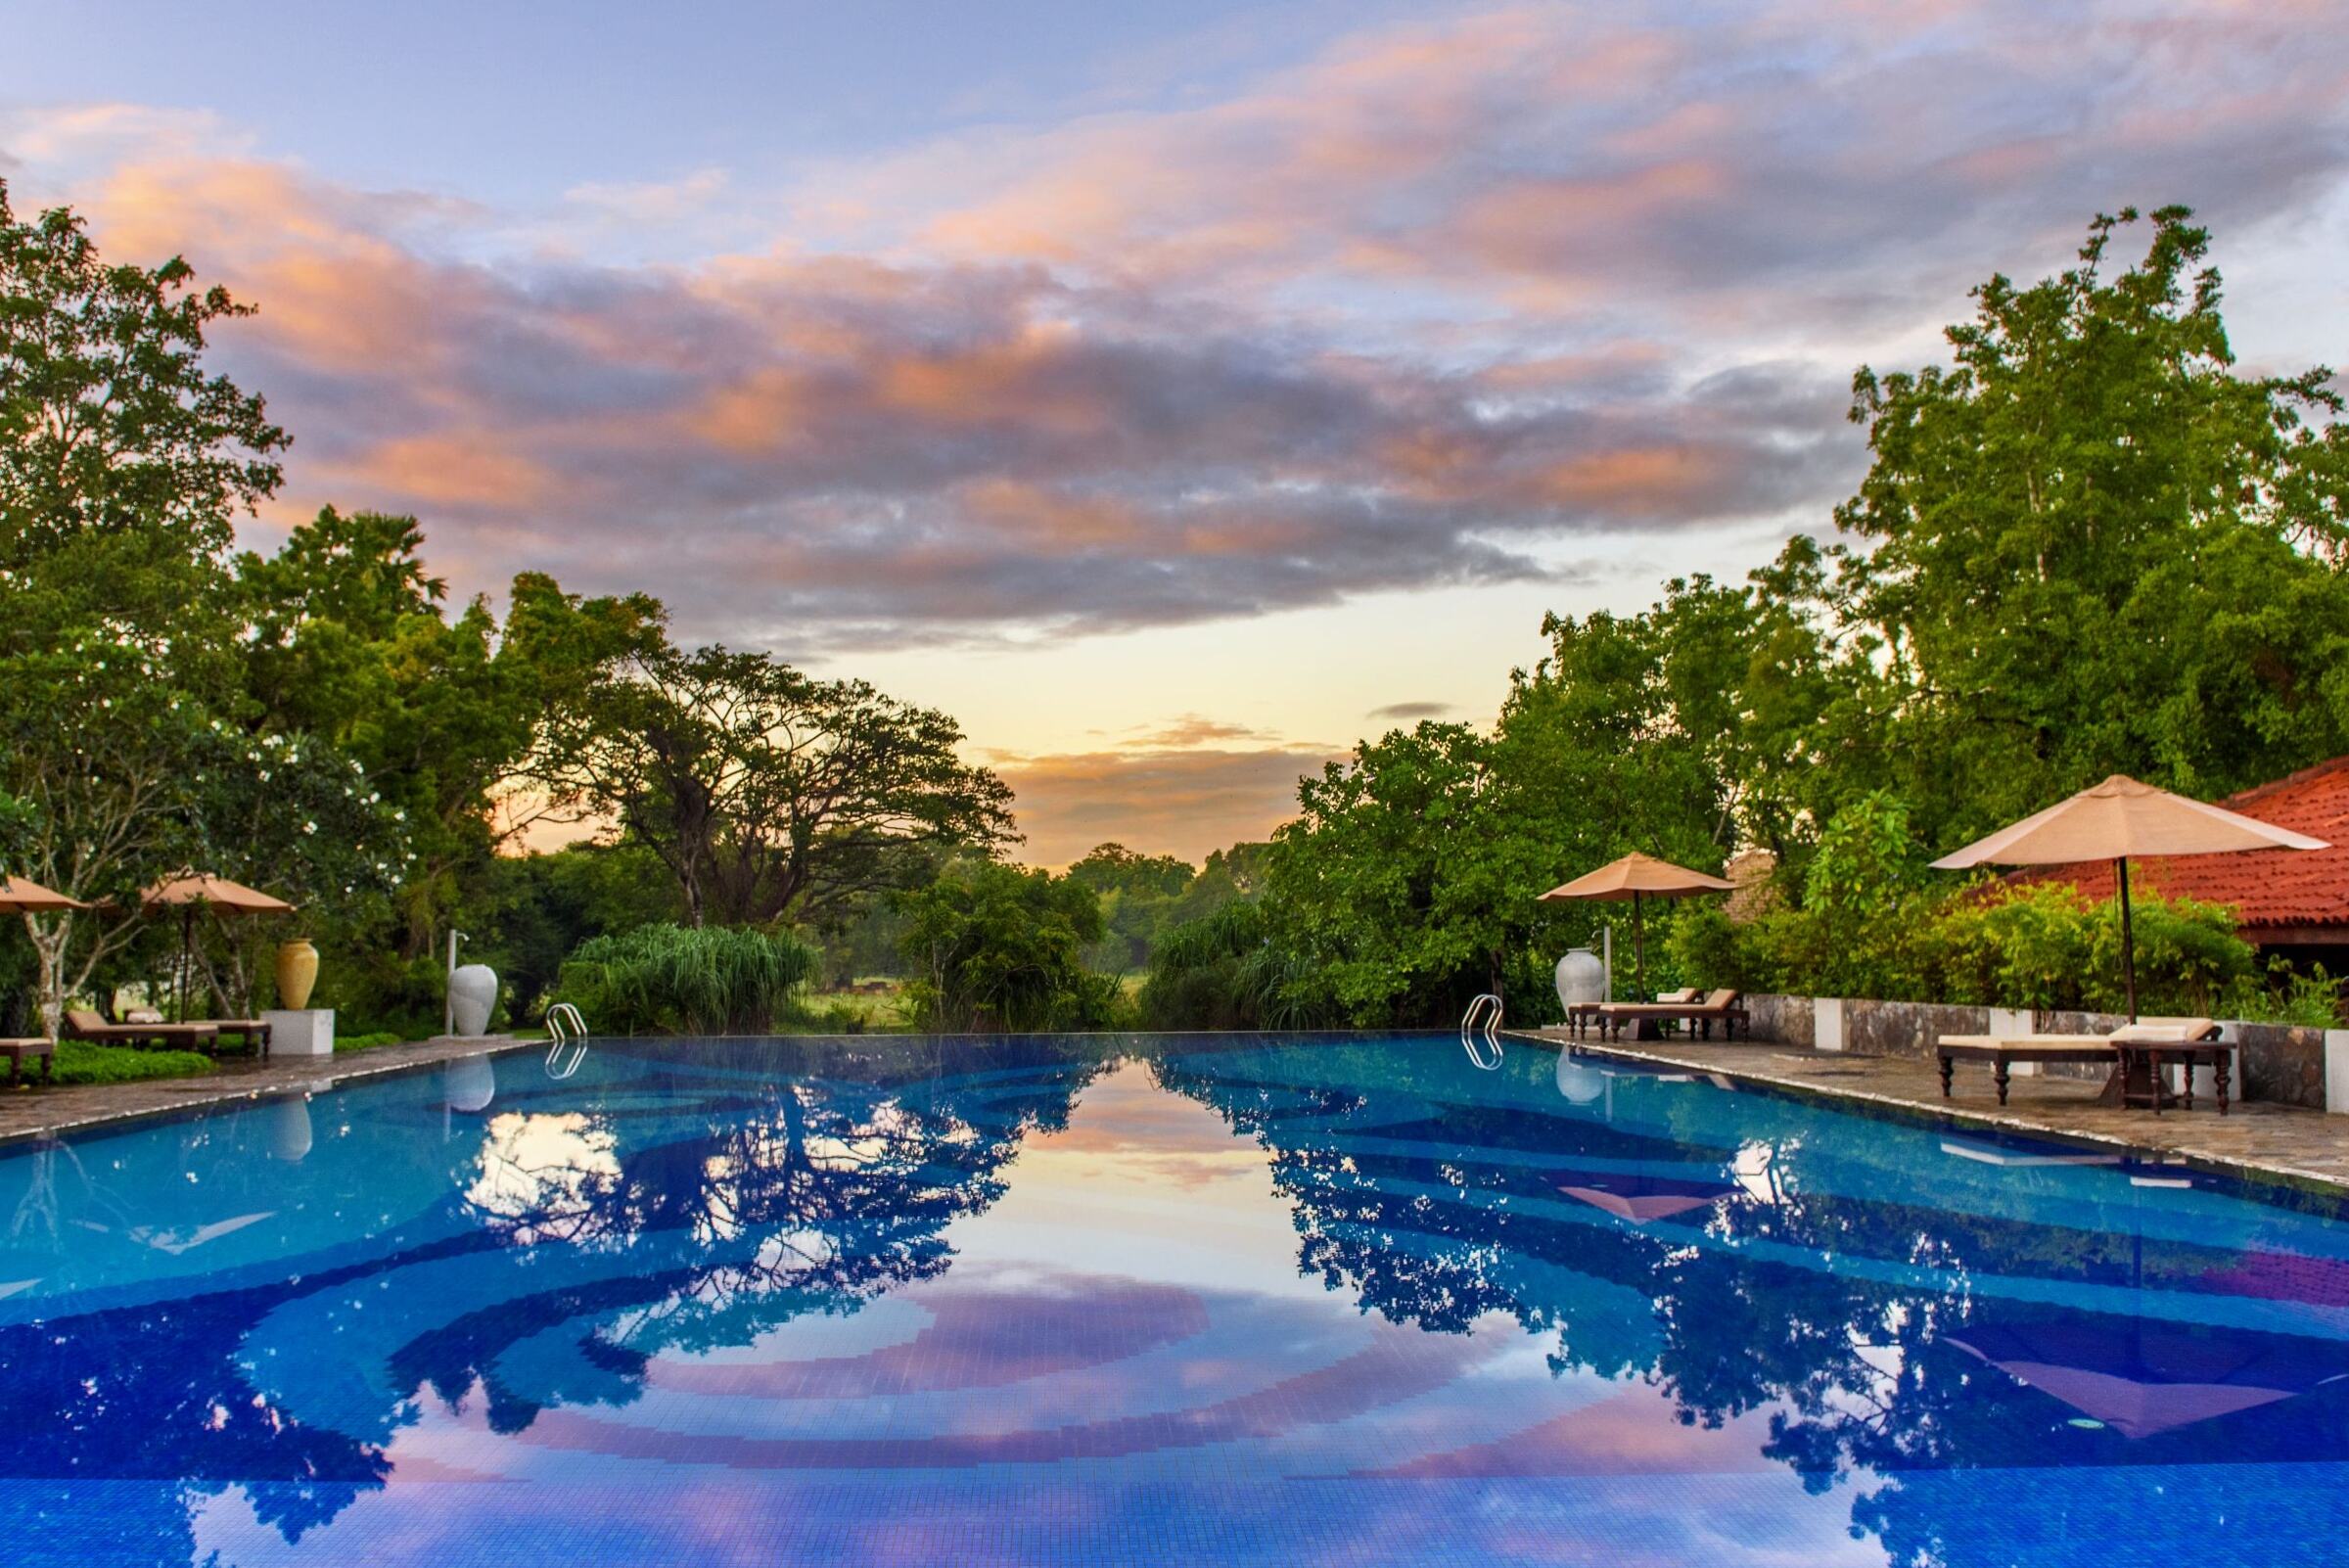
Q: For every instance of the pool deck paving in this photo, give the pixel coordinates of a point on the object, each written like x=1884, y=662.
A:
x=2256, y=1139
x=43, y=1112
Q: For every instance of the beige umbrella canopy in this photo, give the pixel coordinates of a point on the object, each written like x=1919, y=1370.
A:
x=2113, y=821
x=192, y=892
x=1637, y=877
x=20, y=897
x=199, y=889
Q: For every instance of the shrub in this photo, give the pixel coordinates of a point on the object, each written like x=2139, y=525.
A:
x=1229, y=971
x=2049, y=945
x=694, y=979
x=2312, y=1000
x=2043, y=946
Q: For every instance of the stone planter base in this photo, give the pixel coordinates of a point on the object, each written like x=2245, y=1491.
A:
x=308, y=1031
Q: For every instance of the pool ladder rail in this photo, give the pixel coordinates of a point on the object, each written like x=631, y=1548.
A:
x=1480, y=1031
x=567, y=1040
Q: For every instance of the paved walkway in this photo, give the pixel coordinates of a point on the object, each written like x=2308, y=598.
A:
x=33, y=1113
x=2257, y=1138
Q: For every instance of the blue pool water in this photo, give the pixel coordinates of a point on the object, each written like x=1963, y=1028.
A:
x=1174, y=1299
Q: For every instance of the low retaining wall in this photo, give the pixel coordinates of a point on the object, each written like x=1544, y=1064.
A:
x=2278, y=1062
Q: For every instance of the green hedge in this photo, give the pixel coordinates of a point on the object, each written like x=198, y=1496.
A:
x=692, y=979
x=79, y=1062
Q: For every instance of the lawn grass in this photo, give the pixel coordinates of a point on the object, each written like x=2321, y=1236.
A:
x=837, y=1012
x=79, y=1062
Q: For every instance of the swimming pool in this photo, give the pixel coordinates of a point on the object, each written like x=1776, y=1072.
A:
x=1180, y=1299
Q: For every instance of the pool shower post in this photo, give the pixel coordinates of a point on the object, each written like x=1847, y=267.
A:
x=448, y=988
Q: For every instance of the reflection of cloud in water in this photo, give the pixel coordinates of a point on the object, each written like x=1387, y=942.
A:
x=544, y=1165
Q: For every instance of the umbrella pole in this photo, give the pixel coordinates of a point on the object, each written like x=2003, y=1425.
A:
x=186, y=941
x=2128, y=941
x=1638, y=950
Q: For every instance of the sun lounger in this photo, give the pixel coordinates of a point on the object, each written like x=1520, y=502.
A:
x=254, y=1032
x=1721, y=1008
x=2134, y=1051
x=84, y=1025
x=1587, y=1015
x=31, y=1046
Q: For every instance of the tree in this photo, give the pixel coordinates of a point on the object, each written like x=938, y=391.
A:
x=122, y=464
x=772, y=796
x=1114, y=868
x=2098, y=548
x=108, y=422
x=1388, y=883
x=1138, y=898
x=108, y=800
x=994, y=947
x=450, y=717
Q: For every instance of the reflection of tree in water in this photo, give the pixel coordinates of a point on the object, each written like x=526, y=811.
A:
x=802, y=1195
x=779, y=1195
x=154, y=1393
x=1855, y=1374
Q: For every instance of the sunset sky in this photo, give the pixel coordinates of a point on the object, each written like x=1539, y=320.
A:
x=1174, y=392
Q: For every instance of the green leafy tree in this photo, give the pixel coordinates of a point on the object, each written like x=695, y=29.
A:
x=109, y=802
x=992, y=946
x=2096, y=547
x=108, y=423
x=451, y=717
x=1139, y=895
x=1393, y=880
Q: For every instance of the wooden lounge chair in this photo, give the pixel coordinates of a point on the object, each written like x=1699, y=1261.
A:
x=86, y=1025
x=31, y=1045
x=1582, y=1015
x=1722, y=1007
x=2134, y=1052
x=254, y=1032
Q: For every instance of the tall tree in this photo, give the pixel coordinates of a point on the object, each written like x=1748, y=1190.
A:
x=448, y=714
x=2097, y=547
x=769, y=795
x=118, y=447
x=124, y=463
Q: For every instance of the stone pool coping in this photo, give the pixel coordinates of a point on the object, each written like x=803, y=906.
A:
x=42, y=1113
x=2260, y=1141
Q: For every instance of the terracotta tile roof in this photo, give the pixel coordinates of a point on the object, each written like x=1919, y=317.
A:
x=2267, y=887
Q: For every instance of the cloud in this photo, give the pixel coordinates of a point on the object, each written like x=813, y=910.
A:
x=1411, y=712
x=1426, y=309
x=1160, y=800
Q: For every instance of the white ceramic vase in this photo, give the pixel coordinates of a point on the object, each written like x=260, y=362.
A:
x=472, y=998
x=1581, y=979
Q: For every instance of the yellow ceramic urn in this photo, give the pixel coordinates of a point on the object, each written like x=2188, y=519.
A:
x=296, y=973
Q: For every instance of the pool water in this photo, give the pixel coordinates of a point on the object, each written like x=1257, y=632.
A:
x=1198, y=1300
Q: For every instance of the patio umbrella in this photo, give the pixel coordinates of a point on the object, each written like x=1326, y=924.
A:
x=196, y=891
x=2117, y=821
x=1637, y=877
x=20, y=897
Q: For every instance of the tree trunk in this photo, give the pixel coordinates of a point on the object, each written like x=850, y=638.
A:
x=50, y=947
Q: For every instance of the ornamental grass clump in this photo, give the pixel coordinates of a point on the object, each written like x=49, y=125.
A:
x=690, y=979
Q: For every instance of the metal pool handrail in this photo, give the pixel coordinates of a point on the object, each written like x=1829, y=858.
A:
x=1479, y=1032
x=567, y=1046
